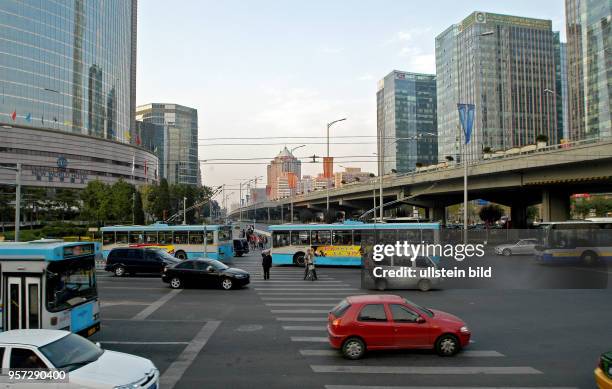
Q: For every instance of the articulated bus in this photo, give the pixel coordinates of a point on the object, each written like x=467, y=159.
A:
x=49, y=284
x=588, y=241
x=187, y=240
x=340, y=244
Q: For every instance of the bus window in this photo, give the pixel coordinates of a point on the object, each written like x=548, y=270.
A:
x=108, y=237
x=225, y=234
x=357, y=238
x=136, y=237
x=411, y=236
x=321, y=237
x=341, y=238
x=280, y=238
x=69, y=279
x=387, y=236
x=209, y=237
x=164, y=237
x=196, y=237
x=122, y=237
x=150, y=237
x=180, y=237
x=300, y=238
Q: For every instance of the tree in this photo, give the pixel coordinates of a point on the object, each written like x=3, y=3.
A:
x=96, y=203
x=65, y=200
x=158, y=200
x=490, y=213
x=139, y=216
x=121, y=194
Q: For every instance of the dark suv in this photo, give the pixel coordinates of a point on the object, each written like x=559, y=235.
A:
x=122, y=261
x=241, y=247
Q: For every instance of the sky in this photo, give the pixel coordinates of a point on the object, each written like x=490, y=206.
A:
x=256, y=69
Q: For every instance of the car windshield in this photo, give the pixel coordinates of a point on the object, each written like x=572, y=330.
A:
x=217, y=265
x=71, y=352
x=167, y=257
x=420, y=308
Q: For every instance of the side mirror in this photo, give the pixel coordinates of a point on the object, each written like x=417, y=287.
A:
x=210, y=269
x=98, y=344
x=420, y=320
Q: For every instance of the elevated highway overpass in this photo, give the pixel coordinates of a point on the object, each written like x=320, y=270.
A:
x=546, y=177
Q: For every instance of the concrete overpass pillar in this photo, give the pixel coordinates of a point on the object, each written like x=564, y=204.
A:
x=268, y=208
x=555, y=206
x=436, y=214
x=518, y=213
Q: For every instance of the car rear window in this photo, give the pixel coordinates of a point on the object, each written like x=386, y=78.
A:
x=340, y=309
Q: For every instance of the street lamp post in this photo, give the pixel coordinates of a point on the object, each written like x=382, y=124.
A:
x=290, y=188
x=17, y=171
x=328, y=184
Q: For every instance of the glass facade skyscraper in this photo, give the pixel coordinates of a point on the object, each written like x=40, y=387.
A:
x=505, y=66
x=178, y=154
x=69, y=66
x=589, y=52
x=406, y=120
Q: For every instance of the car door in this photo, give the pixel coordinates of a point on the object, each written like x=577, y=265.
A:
x=374, y=326
x=185, y=271
x=133, y=260
x=22, y=357
x=152, y=262
x=202, y=274
x=409, y=331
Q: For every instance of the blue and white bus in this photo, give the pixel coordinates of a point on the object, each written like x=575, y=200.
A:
x=187, y=240
x=49, y=284
x=340, y=244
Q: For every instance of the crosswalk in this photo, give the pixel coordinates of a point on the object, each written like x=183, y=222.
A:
x=300, y=307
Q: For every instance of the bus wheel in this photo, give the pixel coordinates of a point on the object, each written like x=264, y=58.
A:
x=298, y=259
x=176, y=283
x=589, y=258
x=381, y=284
x=180, y=254
x=424, y=285
x=119, y=271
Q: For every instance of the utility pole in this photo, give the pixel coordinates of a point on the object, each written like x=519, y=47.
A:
x=134, y=207
x=328, y=178
x=184, y=210
x=17, y=201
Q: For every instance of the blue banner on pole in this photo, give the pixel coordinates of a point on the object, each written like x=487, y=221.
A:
x=466, y=116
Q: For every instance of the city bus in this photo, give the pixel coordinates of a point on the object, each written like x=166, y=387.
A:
x=49, y=284
x=187, y=240
x=341, y=244
x=588, y=241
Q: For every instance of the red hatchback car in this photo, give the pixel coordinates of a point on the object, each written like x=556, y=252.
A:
x=378, y=322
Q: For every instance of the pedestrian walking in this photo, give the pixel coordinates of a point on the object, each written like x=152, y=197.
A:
x=309, y=265
x=266, y=263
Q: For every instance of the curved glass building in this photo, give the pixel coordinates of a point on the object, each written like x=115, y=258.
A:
x=69, y=65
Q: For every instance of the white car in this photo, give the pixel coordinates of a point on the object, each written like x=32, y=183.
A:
x=88, y=365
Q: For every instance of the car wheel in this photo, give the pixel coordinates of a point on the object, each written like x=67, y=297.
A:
x=180, y=255
x=507, y=252
x=227, y=284
x=424, y=285
x=381, y=285
x=589, y=258
x=353, y=348
x=119, y=271
x=447, y=345
x=176, y=283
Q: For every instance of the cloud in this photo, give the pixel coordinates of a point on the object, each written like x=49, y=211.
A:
x=331, y=50
x=366, y=77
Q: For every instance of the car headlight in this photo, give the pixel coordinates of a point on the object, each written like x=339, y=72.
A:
x=464, y=330
x=240, y=275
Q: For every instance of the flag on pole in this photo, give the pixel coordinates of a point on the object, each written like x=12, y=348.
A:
x=466, y=116
x=28, y=117
x=133, y=163
x=14, y=115
x=146, y=168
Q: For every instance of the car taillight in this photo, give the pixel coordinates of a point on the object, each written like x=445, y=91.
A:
x=336, y=322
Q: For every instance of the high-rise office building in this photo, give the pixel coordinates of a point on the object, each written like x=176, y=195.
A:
x=564, y=92
x=283, y=174
x=589, y=49
x=406, y=121
x=68, y=85
x=505, y=66
x=178, y=153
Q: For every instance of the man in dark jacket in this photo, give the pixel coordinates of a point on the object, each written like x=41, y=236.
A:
x=266, y=263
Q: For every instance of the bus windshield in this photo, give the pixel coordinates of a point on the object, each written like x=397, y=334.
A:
x=70, y=282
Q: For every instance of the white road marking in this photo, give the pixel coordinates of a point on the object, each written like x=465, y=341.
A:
x=467, y=353
x=158, y=320
x=444, y=387
x=309, y=339
x=135, y=287
x=330, y=288
x=331, y=305
x=153, y=343
x=319, y=353
x=310, y=293
x=300, y=299
x=148, y=311
x=302, y=319
x=300, y=311
x=124, y=302
x=430, y=370
x=175, y=371
x=293, y=281
x=305, y=328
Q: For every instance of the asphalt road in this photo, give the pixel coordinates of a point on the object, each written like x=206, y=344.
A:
x=272, y=335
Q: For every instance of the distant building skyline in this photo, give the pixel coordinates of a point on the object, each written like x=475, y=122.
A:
x=505, y=65
x=283, y=172
x=405, y=118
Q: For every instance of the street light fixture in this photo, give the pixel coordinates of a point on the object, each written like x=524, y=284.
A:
x=327, y=186
x=248, y=181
